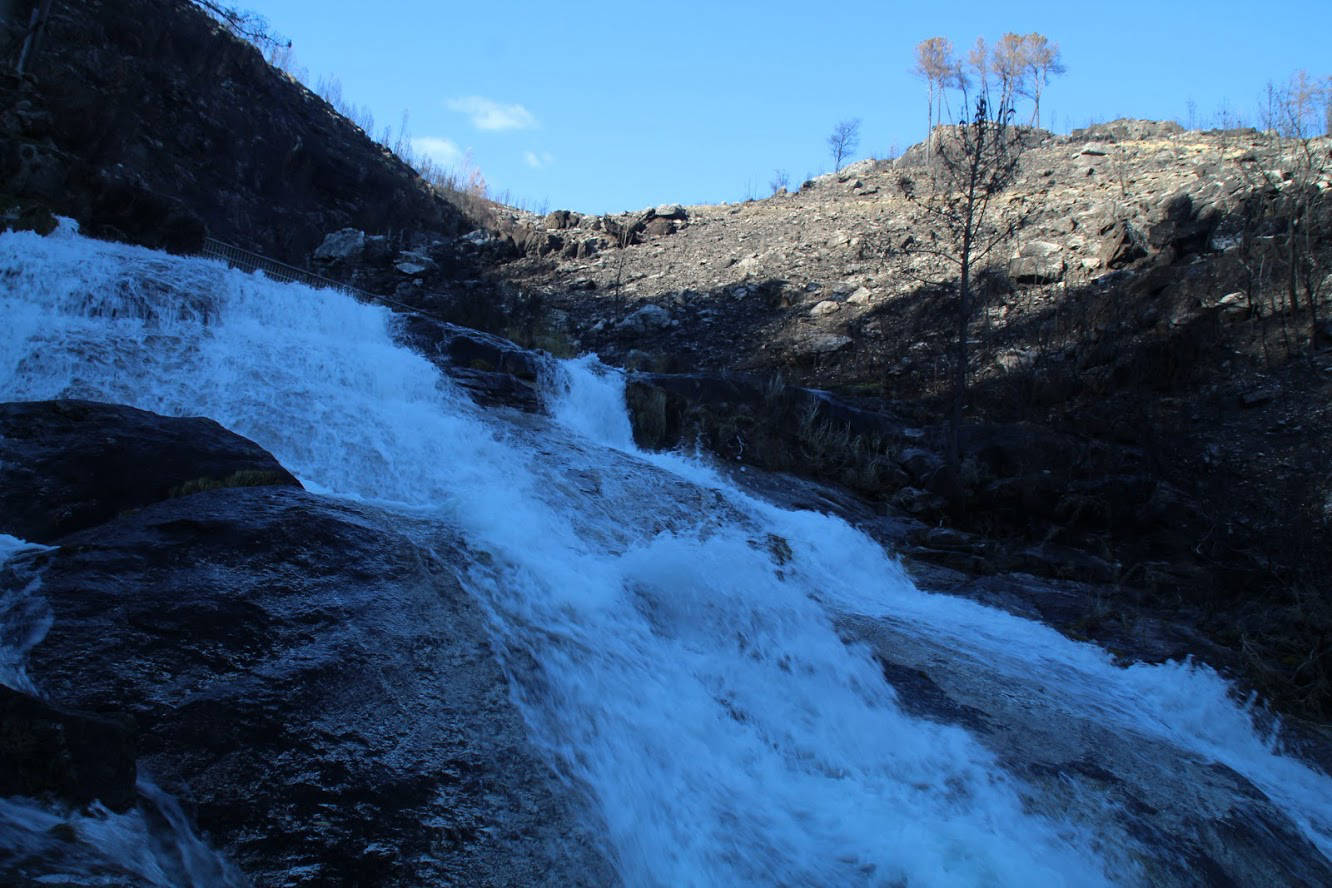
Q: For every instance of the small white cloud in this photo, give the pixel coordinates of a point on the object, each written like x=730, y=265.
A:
x=537, y=161
x=487, y=114
x=444, y=152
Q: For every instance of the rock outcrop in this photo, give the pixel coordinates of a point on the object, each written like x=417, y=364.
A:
x=312, y=684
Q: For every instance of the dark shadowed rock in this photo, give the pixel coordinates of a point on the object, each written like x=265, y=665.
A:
x=76, y=757
x=317, y=689
x=67, y=465
x=492, y=369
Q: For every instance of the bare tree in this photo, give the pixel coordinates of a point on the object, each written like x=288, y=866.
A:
x=1042, y=61
x=939, y=68
x=780, y=180
x=246, y=24
x=1305, y=198
x=978, y=61
x=1290, y=204
x=977, y=159
x=843, y=141
x=1008, y=63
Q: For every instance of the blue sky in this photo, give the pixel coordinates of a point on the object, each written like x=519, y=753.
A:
x=605, y=107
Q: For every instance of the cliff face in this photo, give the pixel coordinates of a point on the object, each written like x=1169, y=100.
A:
x=147, y=121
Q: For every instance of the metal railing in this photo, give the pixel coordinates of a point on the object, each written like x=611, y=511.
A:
x=281, y=272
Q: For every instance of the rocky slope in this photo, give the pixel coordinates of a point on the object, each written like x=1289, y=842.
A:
x=148, y=121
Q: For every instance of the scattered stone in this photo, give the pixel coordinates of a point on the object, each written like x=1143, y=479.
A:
x=1016, y=359
x=820, y=344
x=825, y=308
x=922, y=465
x=1039, y=249
x=915, y=501
x=377, y=249
x=1233, y=306
x=410, y=263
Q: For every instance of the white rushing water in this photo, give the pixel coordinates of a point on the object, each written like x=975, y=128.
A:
x=671, y=639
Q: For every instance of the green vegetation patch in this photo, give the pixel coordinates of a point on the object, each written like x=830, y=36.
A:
x=242, y=478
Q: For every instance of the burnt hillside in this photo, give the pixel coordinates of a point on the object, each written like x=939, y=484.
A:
x=148, y=121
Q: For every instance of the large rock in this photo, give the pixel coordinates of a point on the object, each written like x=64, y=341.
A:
x=345, y=245
x=1037, y=262
x=561, y=219
x=493, y=370
x=817, y=344
x=1188, y=819
x=67, y=465
x=315, y=687
x=648, y=319
x=1120, y=245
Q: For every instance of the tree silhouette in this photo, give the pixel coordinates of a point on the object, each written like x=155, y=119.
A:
x=1042, y=61
x=939, y=68
x=975, y=160
x=843, y=141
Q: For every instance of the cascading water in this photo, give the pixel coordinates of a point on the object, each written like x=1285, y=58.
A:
x=676, y=645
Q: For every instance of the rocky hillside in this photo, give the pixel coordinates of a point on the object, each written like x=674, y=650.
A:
x=1147, y=410
x=148, y=121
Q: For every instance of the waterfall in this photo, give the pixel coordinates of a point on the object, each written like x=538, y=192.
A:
x=676, y=645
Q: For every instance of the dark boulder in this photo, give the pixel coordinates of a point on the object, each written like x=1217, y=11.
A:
x=67, y=465
x=493, y=370
x=318, y=691
x=658, y=227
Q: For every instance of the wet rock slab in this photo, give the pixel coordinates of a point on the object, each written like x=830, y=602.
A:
x=1175, y=818
x=318, y=691
x=312, y=683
